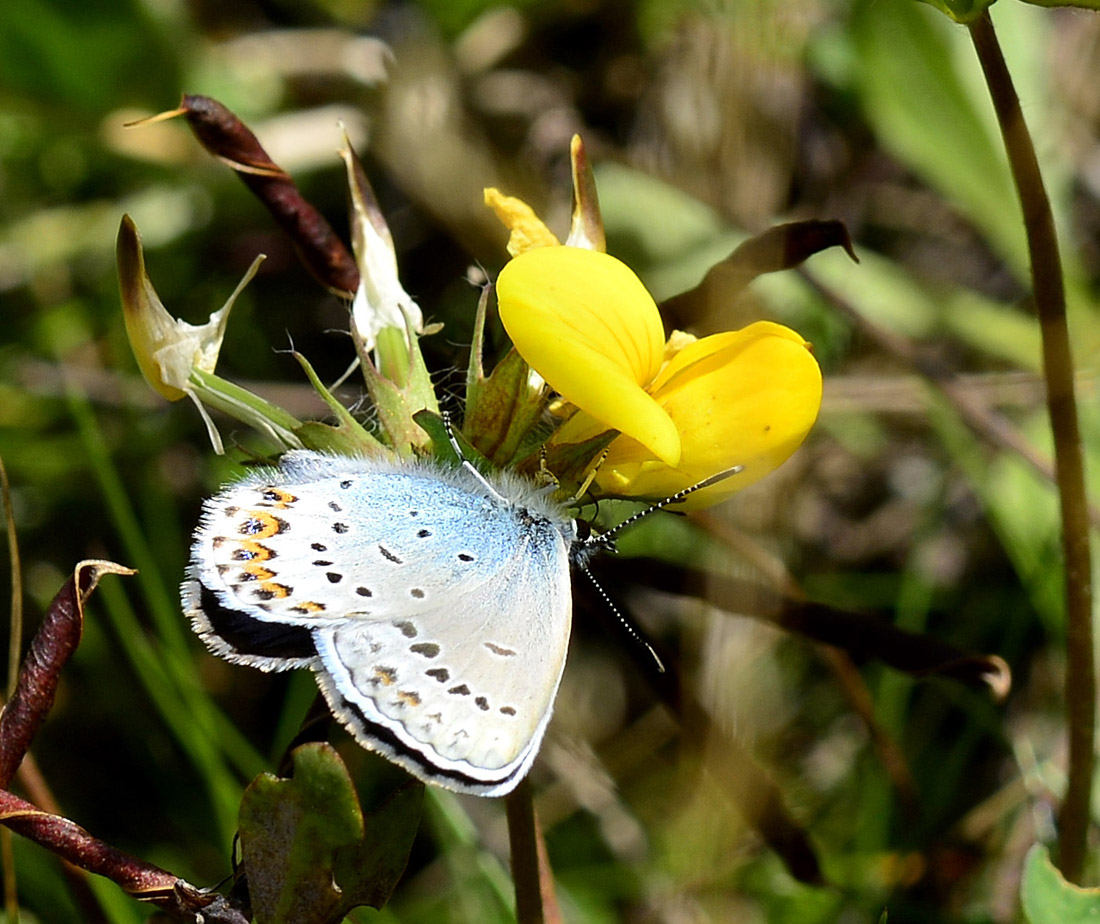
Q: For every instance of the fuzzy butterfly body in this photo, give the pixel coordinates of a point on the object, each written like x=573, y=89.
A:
x=434, y=607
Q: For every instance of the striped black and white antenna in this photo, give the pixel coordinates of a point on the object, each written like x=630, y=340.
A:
x=605, y=541
x=583, y=550
x=607, y=537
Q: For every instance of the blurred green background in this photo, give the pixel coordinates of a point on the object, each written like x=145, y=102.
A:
x=706, y=121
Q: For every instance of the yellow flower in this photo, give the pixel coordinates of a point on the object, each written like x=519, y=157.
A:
x=745, y=397
x=586, y=324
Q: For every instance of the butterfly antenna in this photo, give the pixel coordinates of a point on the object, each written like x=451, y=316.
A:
x=466, y=463
x=604, y=539
x=623, y=621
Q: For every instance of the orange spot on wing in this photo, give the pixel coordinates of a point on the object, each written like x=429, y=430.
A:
x=408, y=698
x=278, y=497
x=259, y=524
x=254, y=551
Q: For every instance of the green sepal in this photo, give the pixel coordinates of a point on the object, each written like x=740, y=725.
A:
x=348, y=437
x=397, y=406
x=503, y=410
x=433, y=425
x=569, y=463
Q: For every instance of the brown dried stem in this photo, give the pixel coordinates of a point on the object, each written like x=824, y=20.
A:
x=30, y=704
x=50, y=650
x=15, y=646
x=861, y=635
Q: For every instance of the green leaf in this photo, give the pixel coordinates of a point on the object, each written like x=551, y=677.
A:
x=925, y=102
x=83, y=57
x=962, y=11
x=309, y=854
x=442, y=450
x=1048, y=899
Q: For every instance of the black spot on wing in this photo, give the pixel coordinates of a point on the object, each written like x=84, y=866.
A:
x=247, y=635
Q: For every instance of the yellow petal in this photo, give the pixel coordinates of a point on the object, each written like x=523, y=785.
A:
x=746, y=398
x=587, y=325
x=528, y=230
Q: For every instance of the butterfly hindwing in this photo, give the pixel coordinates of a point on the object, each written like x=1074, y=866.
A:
x=460, y=694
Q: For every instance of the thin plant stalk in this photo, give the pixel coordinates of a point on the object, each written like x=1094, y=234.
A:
x=531, y=873
x=1050, y=305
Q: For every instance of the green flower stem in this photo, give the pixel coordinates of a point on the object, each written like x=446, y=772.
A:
x=1050, y=305
x=246, y=407
x=534, y=881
